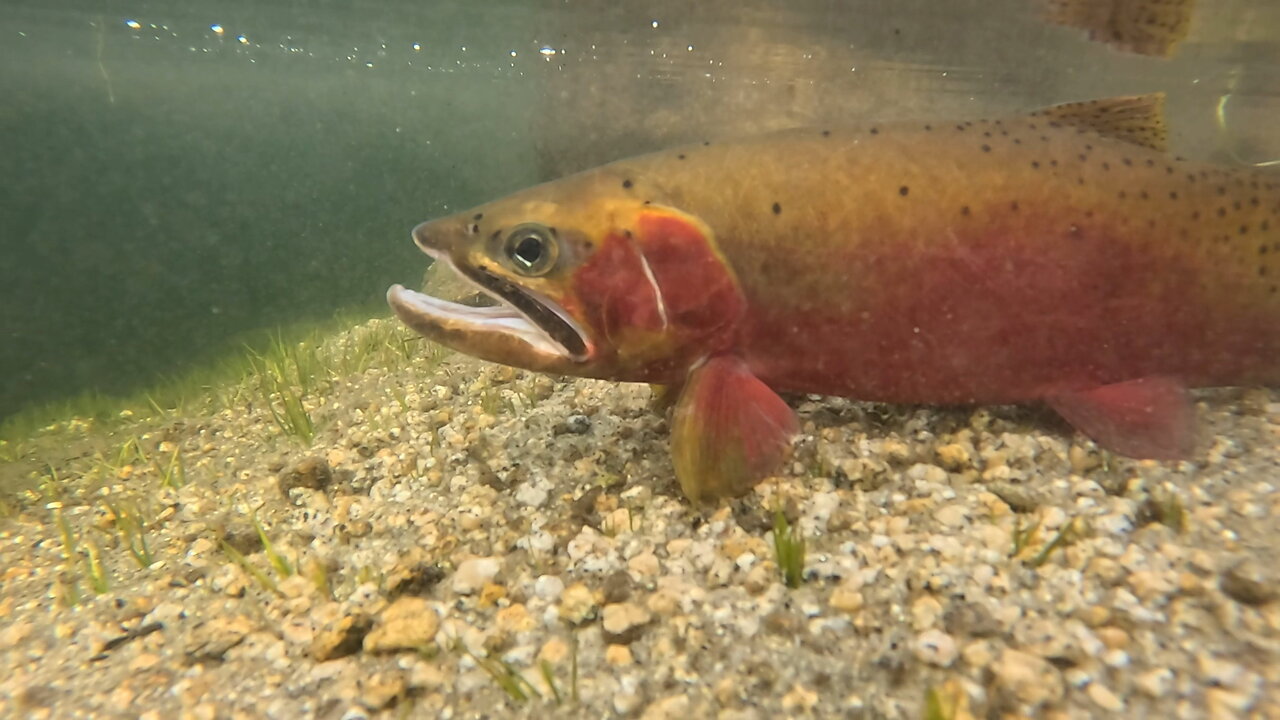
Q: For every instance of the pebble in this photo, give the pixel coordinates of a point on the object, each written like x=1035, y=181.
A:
x=341, y=637
x=1155, y=683
x=548, y=587
x=473, y=573
x=1029, y=678
x=409, y=623
x=1103, y=697
x=623, y=622
x=577, y=604
x=936, y=648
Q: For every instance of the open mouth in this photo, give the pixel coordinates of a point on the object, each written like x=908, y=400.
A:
x=518, y=313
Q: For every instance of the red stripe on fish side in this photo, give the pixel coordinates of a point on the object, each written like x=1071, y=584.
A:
x=1011, y=311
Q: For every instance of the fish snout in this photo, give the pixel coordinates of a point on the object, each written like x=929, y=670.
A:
x=427, y=237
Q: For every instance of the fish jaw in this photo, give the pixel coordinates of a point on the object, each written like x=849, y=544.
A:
x=495, y=333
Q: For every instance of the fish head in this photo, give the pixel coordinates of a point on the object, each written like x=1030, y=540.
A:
x=587, y=279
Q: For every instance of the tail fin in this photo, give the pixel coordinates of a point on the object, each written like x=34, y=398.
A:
x=1147, y=27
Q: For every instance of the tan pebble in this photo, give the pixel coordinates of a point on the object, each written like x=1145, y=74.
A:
x=761, y=577
x=726, y=691
x=490, y=594
x=978, y=654
x=1102, y=696
x=915, y=506
x=1113, y=637
x=577, y=604
x=144, y=662
x=1030, y=679
x=1155, y=683
x=122, y=697
x=954, y=456
x=1226, y=704
x=671, y=707
x=663, y=602
x=618, y=655
x=408, y=623
x=1095, y=616
x=1190, y=584
x=554, y=651
x=645, y=564
x=515, y=619
x=845, y=599
x=427, y=675
x=799, y=699
x=340, y=637
x=925, y=612
x=953, y=516
x=623, y=622
x=380, y=689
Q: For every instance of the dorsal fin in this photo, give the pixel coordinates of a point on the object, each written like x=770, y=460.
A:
x=1138, y=119
x=1148, y=27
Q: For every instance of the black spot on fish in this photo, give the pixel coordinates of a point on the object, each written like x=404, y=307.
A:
x=1143, y=195
x=1127, y=162
x=986, y=148
x=1173, y=194
x=1122, y=194
x=473, y=229
x=1253, y=202
x=626, y=184
x=478, y=217
x=626, y=233
x=1053, y=163
x=960, y=128
x=648, y=202
x=1035, y=164
x=1222, y=212
x=928, y=128
x=826, y=133
x=1106, y=166
x=986, y=134
x=1195, y=215
x=965, y=211
x=680, y=156
x=1265, y=226
x=1262, y=249
x=706, y=143
x=904, y=190
x=1013, y=206
x=1244, y=229
x=1083, y=157
x=777, y=209
x=875, y=131
x=1236, y=205
x=1222, y=190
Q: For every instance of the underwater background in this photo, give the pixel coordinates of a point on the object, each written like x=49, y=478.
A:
x=181, y=177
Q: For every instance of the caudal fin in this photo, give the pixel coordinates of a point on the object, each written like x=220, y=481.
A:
x=1147, y=27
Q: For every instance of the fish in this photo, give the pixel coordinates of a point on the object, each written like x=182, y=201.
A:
x=1058, y=257
x=1144, y=27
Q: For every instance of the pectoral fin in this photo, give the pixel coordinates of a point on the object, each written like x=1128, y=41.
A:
x=1147, y=418
x=728, y=430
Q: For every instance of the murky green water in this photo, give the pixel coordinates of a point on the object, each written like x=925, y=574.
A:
x=179, y=175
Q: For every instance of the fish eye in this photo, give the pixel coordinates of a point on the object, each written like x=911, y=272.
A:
x=531, y=249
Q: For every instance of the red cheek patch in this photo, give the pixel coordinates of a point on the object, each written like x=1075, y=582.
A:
x=699, y=292
x=663, y=276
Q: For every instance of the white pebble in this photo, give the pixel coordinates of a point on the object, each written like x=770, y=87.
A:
x=473, y=573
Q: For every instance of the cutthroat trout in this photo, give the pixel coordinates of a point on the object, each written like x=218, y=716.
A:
x=1058, y=257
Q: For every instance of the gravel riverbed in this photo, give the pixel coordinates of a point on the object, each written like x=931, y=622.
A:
x=465, y=540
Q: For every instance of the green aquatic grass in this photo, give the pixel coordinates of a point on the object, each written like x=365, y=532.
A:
x=788, y=550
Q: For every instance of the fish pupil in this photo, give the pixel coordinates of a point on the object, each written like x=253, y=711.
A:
x=528, y=251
